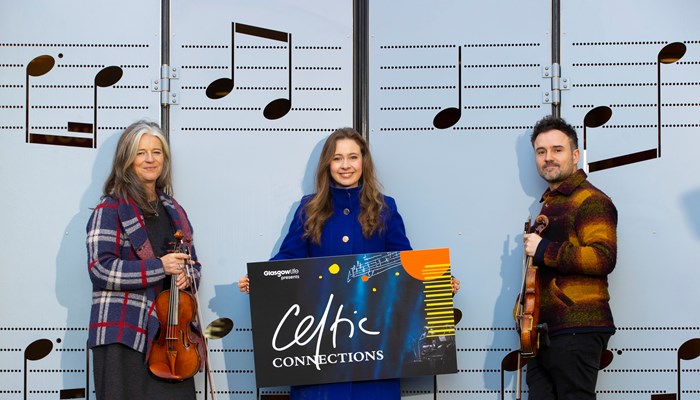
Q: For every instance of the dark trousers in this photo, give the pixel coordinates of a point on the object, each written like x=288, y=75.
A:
x=122, y=374
x=568, y=368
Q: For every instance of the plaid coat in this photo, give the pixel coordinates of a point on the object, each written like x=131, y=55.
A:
x=126, y=276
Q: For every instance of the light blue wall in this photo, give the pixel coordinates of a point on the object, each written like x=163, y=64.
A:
x=469, y=187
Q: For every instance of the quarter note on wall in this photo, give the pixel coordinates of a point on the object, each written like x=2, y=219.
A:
x=511, y=363
x=36, y=350
x=107, y=77
x=689, y=350
x=669, y=54
x=223, y=86
x=447, y=117
x=39, y=66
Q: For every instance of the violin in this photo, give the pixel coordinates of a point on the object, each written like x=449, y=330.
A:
x=175, y=352
x=527, y=307
x=179, y=351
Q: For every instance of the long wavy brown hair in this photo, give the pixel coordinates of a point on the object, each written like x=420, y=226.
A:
x=122, y=182
x=320, y=207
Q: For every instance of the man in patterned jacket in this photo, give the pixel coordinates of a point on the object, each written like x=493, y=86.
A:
x=575, y=254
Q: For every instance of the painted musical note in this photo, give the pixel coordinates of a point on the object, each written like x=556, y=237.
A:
x=79, y=393
x=669, y=54
x=72, y=394
x=37, y=67
x=511, y=363
x=216, y=329
x=689, y=350
x=36, y=350
x=447, y=117
x=663, y=396
x=606, y=357
x=106, y=77
x=594, y=118
x=223, y=86
x=457, y=315
x=271, y=396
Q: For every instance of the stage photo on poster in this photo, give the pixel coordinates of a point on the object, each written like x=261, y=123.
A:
x=352, y=318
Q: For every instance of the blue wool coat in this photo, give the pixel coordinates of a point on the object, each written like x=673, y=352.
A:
x=341, y=235
x=126, y=277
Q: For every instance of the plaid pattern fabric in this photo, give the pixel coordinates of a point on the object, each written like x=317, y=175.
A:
x=577, y=252
x=126, y=277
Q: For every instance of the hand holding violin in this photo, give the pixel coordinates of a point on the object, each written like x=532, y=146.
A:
x=531, y=240
x=173, y=264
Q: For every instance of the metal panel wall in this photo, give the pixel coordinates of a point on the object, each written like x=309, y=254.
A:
x=50, y=181
x=239, y=173
x=611, y=53
x=469, y=184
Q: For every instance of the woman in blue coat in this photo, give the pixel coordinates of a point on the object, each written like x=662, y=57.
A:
x=347, y=214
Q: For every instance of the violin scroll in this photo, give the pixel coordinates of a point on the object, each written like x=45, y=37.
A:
x=541, y=223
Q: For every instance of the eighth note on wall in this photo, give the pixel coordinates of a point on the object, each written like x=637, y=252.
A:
x=669, y=54
x=447, y=117
x=223, y=86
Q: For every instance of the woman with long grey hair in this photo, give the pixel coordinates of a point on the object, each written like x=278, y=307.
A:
x=129, y=236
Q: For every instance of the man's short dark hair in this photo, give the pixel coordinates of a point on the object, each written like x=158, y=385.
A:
x=551, y=122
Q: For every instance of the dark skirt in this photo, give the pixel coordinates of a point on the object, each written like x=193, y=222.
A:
x=122, y=373
x=385, y=389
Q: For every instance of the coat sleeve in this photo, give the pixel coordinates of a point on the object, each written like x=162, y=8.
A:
x=112, y=261
x=395, y=236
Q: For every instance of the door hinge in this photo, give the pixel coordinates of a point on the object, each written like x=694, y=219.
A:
x=162, y=85
x=558, y=83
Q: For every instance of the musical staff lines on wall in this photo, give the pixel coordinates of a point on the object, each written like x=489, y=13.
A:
x=473, y=86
